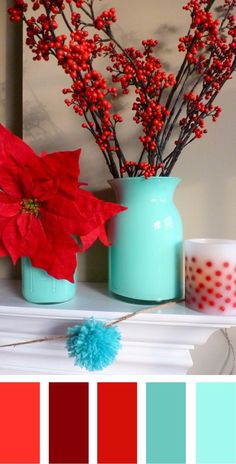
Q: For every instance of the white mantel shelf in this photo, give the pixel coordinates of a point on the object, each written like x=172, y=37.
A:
x=152, y=343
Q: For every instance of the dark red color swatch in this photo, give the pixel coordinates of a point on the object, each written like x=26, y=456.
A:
x=68, y=423
x=19, y=423
x=117, y=423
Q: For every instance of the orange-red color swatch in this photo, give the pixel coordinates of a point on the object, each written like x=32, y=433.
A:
x=20, y=423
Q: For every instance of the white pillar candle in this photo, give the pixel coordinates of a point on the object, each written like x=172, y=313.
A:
x=210, y=275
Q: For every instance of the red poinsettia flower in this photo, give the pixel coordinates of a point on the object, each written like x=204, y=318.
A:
x=92, y=216
x=42, y=207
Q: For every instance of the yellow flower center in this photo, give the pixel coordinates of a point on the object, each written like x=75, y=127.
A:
x=30, y=206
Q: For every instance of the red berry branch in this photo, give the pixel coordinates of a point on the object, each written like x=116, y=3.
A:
x=162, y=101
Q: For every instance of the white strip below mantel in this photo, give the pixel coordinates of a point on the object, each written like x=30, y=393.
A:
x=152, y=343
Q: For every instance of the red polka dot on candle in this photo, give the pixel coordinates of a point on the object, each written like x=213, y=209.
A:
x=226, y=264
x=218, y=273
x=218, y=284
x=219, y=295
x=209, y=263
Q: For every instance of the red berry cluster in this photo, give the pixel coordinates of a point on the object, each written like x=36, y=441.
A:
x=210, y=50
x=197, y=111
x=142, y=69
x=209, y=59
x=106, y=18
x=89, y=91
x=16, y=12
x=141, y=169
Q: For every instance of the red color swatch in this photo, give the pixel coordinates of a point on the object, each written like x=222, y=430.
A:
x=68, y=423
x=117, y=423
x=19, y=423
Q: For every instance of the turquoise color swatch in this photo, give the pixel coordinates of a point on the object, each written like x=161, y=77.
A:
x=216, y=423
x=166, y=423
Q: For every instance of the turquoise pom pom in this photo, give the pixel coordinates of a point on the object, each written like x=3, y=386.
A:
x=93, y=345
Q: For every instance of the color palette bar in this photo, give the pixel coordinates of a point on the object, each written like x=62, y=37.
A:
x=166, y=423
x=109, y=416
x=117, y=423
x=19, y=423
x=216, y=423
x=68, y=423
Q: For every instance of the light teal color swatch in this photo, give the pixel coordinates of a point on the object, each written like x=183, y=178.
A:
x=166, y=423
x=216, y=423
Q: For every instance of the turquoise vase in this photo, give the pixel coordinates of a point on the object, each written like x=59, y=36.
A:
x=145, y=259
x=39, y=287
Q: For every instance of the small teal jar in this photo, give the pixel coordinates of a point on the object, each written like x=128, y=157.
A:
x=146, y=258
x=39, y=287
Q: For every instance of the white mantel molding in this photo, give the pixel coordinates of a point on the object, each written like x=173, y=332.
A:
x=152, y=343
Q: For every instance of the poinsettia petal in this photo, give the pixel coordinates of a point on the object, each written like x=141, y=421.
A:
x=23, y=222
x=60, y=211
x=56, y=253
x=8, y=182
x=45, y=189
x=65, y=163
x=92, y=214
x=15, y=180
x=3, y=223
x=64, y=166
x=88, y=239
x=20, y=236
x=12, y=146
x=8, y=207
x=103, y=236
x=3, y=251
x=24, y=181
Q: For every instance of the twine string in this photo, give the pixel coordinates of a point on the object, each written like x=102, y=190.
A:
x=149, y=309
x=231, y=350
x=37, y=340
x=108, y=324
